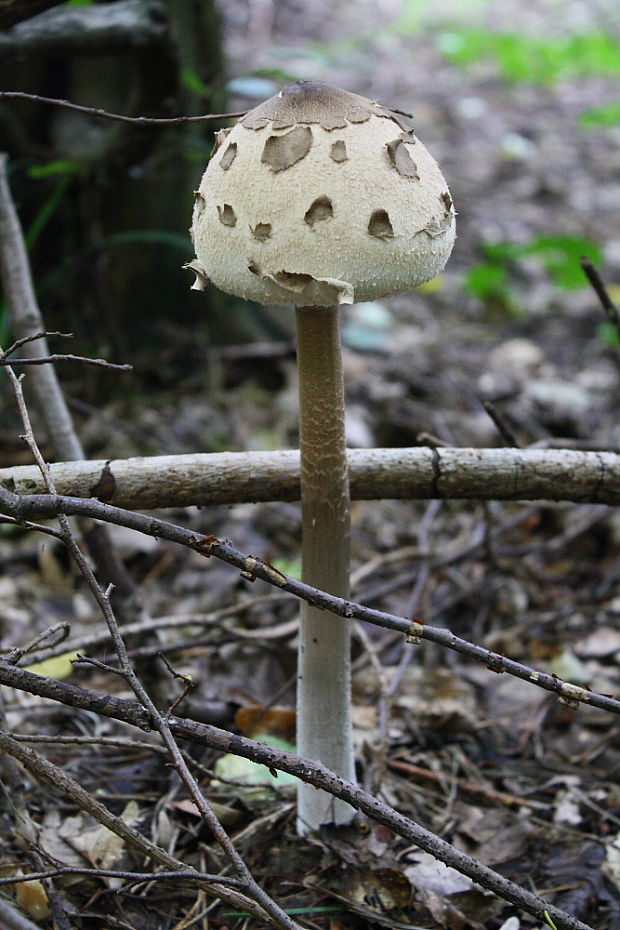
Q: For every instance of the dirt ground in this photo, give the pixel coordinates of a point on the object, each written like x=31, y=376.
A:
x=496, y=766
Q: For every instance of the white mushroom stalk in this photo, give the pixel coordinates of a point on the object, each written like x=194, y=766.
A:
x=316, y=198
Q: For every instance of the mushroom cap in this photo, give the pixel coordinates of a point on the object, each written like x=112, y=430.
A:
x=320, y=197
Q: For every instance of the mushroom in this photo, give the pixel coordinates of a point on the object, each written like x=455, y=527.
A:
x=316, y=198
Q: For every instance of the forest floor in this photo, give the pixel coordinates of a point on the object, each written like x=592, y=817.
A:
x=496, y=766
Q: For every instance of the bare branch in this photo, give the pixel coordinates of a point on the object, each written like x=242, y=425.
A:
x=209, y=619
x=308, y=770
x=58, y=779
x=49, y=638
x=27, y=525
x=129, y=877
x=51, y=359
x=503, y=427
x=32, y=338
x=27, y=321
x=118, y=117
x=160, y=722
x=52, y=505
x=263, y=901
x=419, y=473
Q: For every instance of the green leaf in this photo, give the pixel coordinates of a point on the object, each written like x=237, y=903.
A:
x=193, y=82
x=485, y=280
x=501, y=252
x=560, y=257
x=531, y=59
x=51, y=168
x=601, y=117
x=290, y=567
x=239, y=769
x=48, y=208
x=608, y=334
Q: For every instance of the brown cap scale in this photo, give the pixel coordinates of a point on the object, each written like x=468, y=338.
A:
x=320, y=197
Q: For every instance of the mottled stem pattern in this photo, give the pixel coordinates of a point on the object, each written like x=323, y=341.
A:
x=324, y=671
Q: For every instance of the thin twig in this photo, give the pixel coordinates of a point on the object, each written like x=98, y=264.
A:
x=251, y=888
x=117, y=742
x=28, y=525
x=55, y=634
x=60, y=780
x=42, y=505
x=600, y=289
x=503, y=427
x=310, y=771
x=129, y=877
x=33, y=338
x=278, y=917
x=104, y=114
x=150, y=625
x=51, y=359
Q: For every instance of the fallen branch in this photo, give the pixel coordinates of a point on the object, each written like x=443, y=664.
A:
x=159, y=720
x=46, y=771
x=308, y=770
x=376, y=474
x=51, y=505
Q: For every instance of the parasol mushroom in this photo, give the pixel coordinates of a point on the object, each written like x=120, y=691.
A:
x=316, y=198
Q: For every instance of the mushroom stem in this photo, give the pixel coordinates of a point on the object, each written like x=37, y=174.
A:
x=324, y=730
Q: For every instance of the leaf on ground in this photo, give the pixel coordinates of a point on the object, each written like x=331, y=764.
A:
x=99, y=846
x=238, y=769
x=227, y=816
x=432, y=875
x=611, y=866
x=56, y=667
x=32, y=899
x=256, y=719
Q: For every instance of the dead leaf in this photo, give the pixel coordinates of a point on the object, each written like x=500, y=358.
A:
x=32, y=899
x=275, y=721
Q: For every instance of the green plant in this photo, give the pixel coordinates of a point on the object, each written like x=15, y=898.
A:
x=601, y=117
x=490, y=280
x=608, y=334
x=532, y=59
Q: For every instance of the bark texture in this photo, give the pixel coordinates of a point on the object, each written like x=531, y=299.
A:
x=419, y=473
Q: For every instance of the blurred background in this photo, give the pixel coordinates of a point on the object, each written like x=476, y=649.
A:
x=517, y=99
